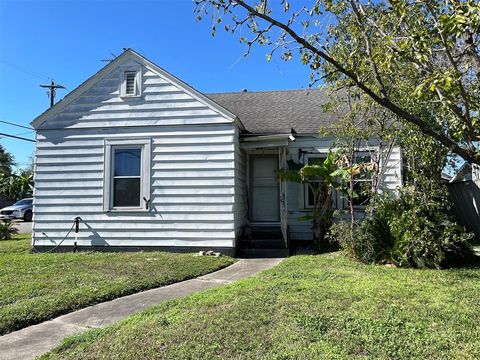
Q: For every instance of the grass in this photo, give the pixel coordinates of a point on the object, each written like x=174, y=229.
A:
x=37, y=287
x=308, y=307
x=19, y=244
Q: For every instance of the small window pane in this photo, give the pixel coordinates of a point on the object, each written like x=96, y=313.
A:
x=310, y=196
x=316, y=160
x=361, y=189
x=362, y=159
x=126, y=193
x=127, y=162
x=313, y=160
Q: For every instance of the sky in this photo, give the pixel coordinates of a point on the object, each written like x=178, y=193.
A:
x=67, y=40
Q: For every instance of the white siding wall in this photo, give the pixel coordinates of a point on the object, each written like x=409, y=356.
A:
x=194, y=180
x=301, y=230
x=241, y=200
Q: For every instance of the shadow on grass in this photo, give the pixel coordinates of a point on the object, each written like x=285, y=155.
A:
x=306, y=247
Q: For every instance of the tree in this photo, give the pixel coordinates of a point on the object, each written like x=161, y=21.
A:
x=6, y=162
x=417, y=59
x=15, y=186
x=28, y=170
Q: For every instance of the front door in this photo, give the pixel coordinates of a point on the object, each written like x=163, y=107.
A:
x=264, y=191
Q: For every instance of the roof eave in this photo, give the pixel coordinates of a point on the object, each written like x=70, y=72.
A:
x=38, y=121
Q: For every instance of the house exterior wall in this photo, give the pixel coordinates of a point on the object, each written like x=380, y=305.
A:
x=301, y=230
x=195, y=176
x=241, y=198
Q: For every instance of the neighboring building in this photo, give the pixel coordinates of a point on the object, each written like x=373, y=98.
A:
x=147, y=161
x=467, y=172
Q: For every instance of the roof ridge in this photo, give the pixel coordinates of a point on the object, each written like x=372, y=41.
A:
x=261, y=91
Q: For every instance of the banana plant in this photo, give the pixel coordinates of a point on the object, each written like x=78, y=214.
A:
x=16, y=187
x=322, y=179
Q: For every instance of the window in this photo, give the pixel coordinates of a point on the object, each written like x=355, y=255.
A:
x=126, y=177
x=127, y=183
x=130, y=85
x=363, y=182
x=309, y=200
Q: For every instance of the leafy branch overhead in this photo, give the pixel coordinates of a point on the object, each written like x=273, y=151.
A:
x=419, y=59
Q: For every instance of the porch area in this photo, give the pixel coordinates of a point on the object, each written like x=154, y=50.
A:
x=266, y=230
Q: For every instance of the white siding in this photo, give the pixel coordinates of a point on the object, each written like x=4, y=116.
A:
x=194, y=178
x=161, y=103
x=301, y=230
x=241, y=206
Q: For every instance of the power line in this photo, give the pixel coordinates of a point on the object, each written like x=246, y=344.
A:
x=24, y=133
x=17, y=125
x=28, y=72
x=17, y=137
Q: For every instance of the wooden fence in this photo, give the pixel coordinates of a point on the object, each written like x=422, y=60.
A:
x=466, y=199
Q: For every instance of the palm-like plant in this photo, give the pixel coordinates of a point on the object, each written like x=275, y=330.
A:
x=16, y=186
x=322, y=179
x=6, y=230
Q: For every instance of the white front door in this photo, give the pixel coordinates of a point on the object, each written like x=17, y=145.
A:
x=264, y=191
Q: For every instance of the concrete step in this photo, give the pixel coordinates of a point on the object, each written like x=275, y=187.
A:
x=262, y=253
x=276, y=243
x=256, y=232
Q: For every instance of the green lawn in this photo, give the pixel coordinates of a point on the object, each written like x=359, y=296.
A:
x=37, y=287
x=308, y=307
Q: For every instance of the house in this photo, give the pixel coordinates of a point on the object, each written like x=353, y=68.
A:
x=466, y=172
x=464, y=191
x=148, y=162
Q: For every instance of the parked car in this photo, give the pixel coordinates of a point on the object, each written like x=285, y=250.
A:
x=22, y=209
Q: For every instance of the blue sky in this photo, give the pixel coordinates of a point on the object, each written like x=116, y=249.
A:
x=66, y=40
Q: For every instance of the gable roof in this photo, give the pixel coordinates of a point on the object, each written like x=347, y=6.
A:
x=273, y=112
x=131, y=54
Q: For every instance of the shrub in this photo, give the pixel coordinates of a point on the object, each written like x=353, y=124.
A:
x=424, y=234
x=411, y=230
x=369, y=241
x=6, y=230
x=356, y=243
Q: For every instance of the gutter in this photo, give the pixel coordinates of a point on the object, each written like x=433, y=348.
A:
x=286, y=136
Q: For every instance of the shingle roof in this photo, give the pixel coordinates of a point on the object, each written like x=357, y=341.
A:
x=271, y=112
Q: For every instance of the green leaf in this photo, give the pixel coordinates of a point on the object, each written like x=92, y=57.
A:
x=305, y=218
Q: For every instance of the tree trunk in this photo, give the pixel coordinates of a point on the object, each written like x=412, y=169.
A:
x=322, y=219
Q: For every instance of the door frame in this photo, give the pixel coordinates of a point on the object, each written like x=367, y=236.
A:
x=253, y=153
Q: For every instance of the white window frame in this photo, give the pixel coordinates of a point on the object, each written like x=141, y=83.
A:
x=145, y=191
x=305, y=189
x=137, y=84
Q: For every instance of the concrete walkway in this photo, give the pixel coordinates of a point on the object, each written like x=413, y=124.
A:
x=38, y=339
x=22, y=226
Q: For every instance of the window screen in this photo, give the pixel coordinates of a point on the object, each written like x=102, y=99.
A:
x=127, y=177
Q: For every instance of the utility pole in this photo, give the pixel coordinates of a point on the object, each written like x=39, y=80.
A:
x=52, y=89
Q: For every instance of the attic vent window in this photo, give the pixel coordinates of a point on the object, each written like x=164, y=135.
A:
x=130, y=84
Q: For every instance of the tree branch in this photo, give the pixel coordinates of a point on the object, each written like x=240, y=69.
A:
x=382, y=101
